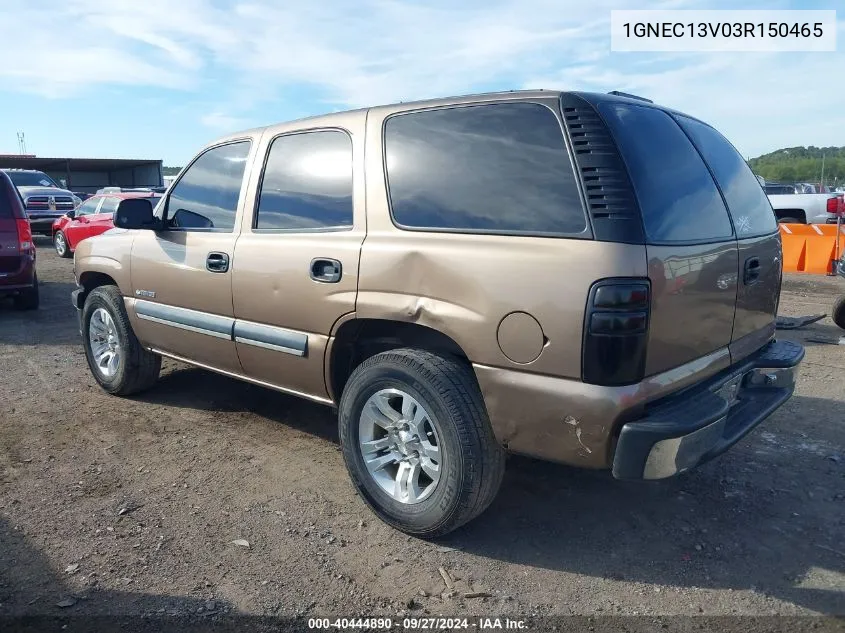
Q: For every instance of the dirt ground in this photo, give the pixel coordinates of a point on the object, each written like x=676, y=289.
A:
x=130, y=506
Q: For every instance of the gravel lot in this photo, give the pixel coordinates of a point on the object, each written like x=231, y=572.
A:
x=130, y=507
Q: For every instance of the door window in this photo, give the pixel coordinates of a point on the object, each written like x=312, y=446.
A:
x=109, y=205
x=307, y=183
x=88, y=207
x=206, y=196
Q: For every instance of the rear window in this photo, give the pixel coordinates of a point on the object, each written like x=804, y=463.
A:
x=747, y=202
x=8, y=196
x=678, y=198
x=496, y=168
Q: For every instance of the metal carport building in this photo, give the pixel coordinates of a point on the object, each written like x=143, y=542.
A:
x=89, y=174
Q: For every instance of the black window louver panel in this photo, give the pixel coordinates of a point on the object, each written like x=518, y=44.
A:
x=610, y=196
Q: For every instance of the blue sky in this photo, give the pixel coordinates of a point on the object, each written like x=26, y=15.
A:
x=160, y=78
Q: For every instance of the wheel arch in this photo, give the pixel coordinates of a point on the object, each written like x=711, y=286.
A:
x=356, y=340
x=91, y=279
x=791, y=213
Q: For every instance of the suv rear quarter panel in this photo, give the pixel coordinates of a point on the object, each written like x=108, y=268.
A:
x=463, y=286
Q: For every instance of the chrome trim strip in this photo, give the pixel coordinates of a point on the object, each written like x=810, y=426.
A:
x=182, y=326
x=271, y=337
x=183, y=318
x=276, y=348
x=231, y=374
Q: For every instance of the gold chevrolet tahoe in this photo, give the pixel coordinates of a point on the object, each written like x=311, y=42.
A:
x=585, y=278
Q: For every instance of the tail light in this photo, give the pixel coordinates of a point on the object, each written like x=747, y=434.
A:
x=616, y=332
x=835, y=205
x=24, y=236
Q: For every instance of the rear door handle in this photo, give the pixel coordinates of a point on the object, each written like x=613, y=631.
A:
x=327, y=271
x=752, y=270
x=217, y=262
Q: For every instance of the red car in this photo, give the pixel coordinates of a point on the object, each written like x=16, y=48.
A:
x=92, y=217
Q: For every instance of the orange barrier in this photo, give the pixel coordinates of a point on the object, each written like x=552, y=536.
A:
x=809, y=248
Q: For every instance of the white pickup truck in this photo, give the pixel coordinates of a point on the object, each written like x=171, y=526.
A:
x=805, y=208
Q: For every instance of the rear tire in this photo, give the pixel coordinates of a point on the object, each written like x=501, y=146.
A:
x=838, y=313
x=116, y=358
x=790, y=221
x=470, y=462
x=30, y=298
x=61, y=245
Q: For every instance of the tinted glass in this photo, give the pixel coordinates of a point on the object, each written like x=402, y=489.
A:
x=500, y=168
x=747, y=202
x=307, y=182
x=88, y=207
x=31, y=179
x=677, y=195
x=109, y=205
x=5, y=202
x=206, y=197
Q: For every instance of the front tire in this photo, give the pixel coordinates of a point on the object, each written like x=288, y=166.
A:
x=61, y=245
x=115, y=356
x=838, y=312
x=417, y=441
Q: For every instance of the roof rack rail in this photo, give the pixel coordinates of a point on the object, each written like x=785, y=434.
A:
x=619, y=93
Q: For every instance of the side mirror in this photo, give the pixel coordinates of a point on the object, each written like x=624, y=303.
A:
x=71, y=214
x=135, y=213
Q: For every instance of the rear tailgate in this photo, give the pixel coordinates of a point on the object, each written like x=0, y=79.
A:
x=760, y=261
x=10, y=260
x=690, y=244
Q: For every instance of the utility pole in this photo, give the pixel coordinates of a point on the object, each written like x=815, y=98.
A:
x=821, y=182
x=21, y=143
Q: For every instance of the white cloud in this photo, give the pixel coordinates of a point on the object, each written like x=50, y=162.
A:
x=223, y=122
x=376, y=51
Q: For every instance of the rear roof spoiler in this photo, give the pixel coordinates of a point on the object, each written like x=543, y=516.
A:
x=619, y=93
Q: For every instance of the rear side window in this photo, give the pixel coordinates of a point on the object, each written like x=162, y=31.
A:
x=206, y=196
x=678, y=198
x=88, y=207
x=747, y=202
x=7, y=190
x=109, y=205
x=498, y=168
x=307, y=182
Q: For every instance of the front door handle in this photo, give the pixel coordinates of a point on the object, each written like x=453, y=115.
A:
x=217, y=262
x=327, y=271
x=752, y=270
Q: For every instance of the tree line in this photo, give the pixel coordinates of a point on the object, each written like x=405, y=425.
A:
x=802, y=164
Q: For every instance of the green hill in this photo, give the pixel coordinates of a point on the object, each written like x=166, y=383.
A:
x=802, y=164
x=170, y=171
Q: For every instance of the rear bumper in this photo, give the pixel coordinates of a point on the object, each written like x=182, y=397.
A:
x=703, y=421
x=21, y=279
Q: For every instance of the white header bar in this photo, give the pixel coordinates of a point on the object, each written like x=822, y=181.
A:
x=723, y=31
